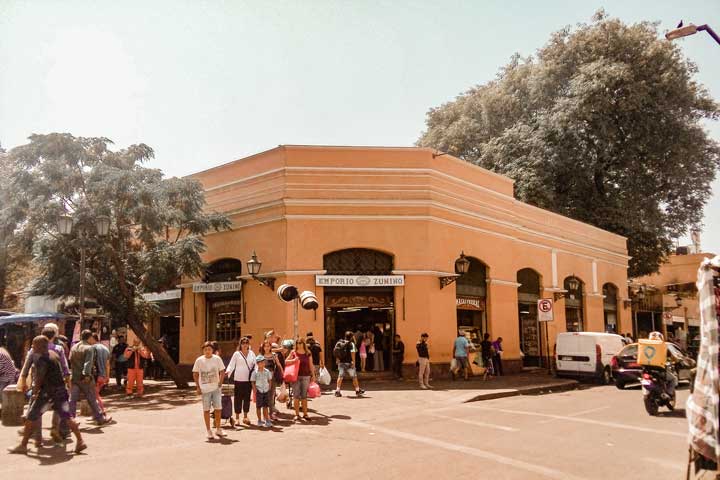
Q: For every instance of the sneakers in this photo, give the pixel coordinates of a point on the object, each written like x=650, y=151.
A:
x=337, y=393
x=80, y=447
x=210, y=435
x=246, y=421
x=260, y=423
x=429, y=386
x=423, y=387
x=104, y=421
x=359, y=392
x=268, y=423
x=219, y=433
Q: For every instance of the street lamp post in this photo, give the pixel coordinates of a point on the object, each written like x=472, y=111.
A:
x=687, y=30
x=65, y=226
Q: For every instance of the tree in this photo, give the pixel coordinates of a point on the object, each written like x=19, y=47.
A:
x=604, y=126
x=156, y=233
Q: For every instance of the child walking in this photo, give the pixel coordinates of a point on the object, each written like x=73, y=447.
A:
x=261, y=382
x=209, y=372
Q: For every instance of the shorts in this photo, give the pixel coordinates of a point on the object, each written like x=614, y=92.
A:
x=346, y=368
x=212, y=400
x=463, y=362
x=262, y=399
x=300, y=388
x=58, y=401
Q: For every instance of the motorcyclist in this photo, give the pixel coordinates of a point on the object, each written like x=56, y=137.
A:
x=670, y=375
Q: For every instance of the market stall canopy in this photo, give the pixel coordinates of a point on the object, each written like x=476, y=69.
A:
x=30, y=317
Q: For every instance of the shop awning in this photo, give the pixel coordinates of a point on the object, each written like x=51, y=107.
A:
x=30, y=318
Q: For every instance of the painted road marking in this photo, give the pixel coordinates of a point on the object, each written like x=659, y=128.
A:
x=476, y=452
x=479, y=424
x=581, y=420
x=577, y=414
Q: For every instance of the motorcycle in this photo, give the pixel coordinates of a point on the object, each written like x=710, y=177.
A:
x=657, y=389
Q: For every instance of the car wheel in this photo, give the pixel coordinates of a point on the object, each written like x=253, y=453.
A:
x=619, y=384
x=606, y=377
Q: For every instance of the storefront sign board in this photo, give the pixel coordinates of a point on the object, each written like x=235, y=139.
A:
x=217, y=287
x=360, y=280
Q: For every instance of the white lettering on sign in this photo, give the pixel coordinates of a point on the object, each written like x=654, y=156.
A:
x=359, y=280
x=545, y=310
x=478, y=303
x=217, y=287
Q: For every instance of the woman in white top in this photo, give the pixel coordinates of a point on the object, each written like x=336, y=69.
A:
x=243, y=363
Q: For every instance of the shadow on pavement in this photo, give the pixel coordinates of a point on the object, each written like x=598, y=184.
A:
x=158, y=396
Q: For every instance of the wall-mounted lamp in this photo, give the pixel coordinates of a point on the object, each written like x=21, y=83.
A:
x=253, y=266
x=462, y=265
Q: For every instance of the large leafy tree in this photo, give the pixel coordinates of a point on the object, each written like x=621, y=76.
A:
x=604, y=126
x=156, y=233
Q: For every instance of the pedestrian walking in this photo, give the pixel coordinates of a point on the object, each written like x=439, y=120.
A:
x=48, y=392
x=423, y=362
x=137, y=359
x=102, y=367
x=461, y=348
x=306, y=374
x=120, y=360
x=344, y=354
x=208, y=373
x=398, y=355
x=261, y=380
x=497, y=358
x=241, y=366
x=59, y=430
x=8, y=372
x=315, y=351
x=82, y=363
x=364, y=341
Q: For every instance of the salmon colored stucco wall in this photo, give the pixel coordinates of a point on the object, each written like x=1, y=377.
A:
x=294, y=204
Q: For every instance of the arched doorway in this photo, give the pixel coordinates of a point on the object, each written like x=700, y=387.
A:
x=224, y=309
x=610, y=307
x=574, y=312
x=529, y=328
x=360, y=309
x=471, y=301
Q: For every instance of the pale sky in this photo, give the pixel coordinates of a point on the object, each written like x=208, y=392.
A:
x=207, y=82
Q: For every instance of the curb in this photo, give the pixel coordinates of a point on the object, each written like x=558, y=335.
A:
x=543, y=390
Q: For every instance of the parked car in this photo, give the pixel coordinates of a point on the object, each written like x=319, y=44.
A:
x=626, y=370
x=586, y=354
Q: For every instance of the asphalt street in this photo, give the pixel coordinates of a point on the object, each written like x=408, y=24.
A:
x=589, y=433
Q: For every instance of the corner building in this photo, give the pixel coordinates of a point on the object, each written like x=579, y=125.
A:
x=375, y=232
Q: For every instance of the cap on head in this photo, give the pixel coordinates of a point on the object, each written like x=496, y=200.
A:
x=289, y=344
x=260, y=358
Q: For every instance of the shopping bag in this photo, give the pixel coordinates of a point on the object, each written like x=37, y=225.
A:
x=324, y=376
x=454, y=365
x=283, y=396
x=313, y=390
x=291, y=372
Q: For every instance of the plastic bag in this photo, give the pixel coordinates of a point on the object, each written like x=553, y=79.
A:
x=291, y=372
x=313, y=390
x=453, y=365
x=324, y=376
x=283, y=396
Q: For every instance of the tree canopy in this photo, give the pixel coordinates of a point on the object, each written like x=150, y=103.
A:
x=156, y=232
x=604, y=126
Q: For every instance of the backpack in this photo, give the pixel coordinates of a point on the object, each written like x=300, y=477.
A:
x=343, y=351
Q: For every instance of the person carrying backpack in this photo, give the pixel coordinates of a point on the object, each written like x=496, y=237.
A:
x=344, y=353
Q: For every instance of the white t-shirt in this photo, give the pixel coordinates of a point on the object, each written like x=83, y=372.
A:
x=209, y=370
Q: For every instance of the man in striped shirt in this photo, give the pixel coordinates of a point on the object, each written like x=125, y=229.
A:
x=8, y=372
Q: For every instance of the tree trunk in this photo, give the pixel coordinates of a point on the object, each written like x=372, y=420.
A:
x=157, y=350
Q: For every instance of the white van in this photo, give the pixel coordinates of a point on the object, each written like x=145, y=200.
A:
x=586, y=354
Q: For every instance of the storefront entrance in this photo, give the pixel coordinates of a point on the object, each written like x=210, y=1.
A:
x=369, y=315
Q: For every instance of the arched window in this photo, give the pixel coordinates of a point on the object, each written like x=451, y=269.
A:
x=529, y=329
x=474, y=282
x=574, y=318
x=610, y=307
x=358, y=261
x=471, y=300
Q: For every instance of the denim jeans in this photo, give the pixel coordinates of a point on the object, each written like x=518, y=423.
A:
x=88, y=389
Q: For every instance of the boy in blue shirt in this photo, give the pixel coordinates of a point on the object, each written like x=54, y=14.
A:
x=262, y=382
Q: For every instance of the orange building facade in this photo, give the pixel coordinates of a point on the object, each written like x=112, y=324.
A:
x=375, y=233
